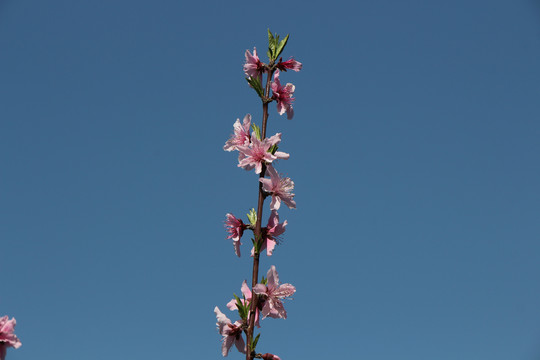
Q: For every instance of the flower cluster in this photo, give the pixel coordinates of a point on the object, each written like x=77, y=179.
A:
x=283, y=96
x=272, y=294
x=264, y=299
x=232, y=333
x=7, y=336
x=253, y=66
x=270, y=305
x=259, y=152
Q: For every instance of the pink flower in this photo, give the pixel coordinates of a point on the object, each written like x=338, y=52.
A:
x=7, y=337
x=281, y=189
x=269, y=356
x=283, y=95
x=240, y=136
x=235, y=227
x=274, y=292
x=253, y=66
x=271, y=234
x=232, y=333
x=290, y=64
x=247, y=294
x=255, y=154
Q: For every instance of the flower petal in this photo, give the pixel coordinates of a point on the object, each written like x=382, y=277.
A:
x=236, y=244
x=260, y=289
x=273, y=277
x=276, y=203
x=245, y=290
x=281, y=155
x=267, y=184
x=270, y=245
x=222, y=320
x=226, y=344
x=240, y=344
x=284, y=290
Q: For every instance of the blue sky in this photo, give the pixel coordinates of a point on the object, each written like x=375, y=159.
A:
x=414, y=150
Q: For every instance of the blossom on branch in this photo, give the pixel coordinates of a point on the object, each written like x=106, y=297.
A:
x=241, y=134
x=283, y=96
x=232, y=333
x=290, y=64
x=257, y=152
x=273, y=292
x=7, y=336
x=280, y=188
x=253, y=66
x=235, y=227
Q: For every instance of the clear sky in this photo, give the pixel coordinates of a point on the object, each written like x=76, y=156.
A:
x=414, y=150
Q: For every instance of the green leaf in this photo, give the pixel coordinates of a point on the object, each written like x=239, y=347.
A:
x=257, y=130
x=255, y=341
x=255, y=83
x=242, y=312
x=270, y=37
x=238, y=301
x=271, y=45
x=281, y=46
x=241, y=309
x=273, y=149
x=264, y=281
x=252, y=216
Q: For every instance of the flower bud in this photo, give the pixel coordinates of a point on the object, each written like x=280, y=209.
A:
x=269, y=356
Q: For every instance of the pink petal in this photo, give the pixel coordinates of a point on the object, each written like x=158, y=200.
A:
x=278, y=310
x=258, y=168
x=284, y=290
x=231, y=305
x=226, y=345
x=259, y=289
x=222, y=320
x=245, y=290
x=240, y=345
x=273, y=220
x=290, y=112
x=267, y=184
x=266, y=309
x=276, y=78
x=236, y=244
x=271, y=171
x=247, y=122
x=270, y=245
x=276, y=203
x=281, y=155
x=273, y=277
x=279, y=229
x=280, y=108
x=237, y=126
x=275, y=139
x=289, y=202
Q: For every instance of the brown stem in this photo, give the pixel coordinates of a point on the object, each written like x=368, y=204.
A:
x=250, y=354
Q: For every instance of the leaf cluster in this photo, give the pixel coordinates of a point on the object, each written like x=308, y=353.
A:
x=275, y=46
x=243, y=310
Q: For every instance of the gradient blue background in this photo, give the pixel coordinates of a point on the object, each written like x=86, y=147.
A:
x=414, y=149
